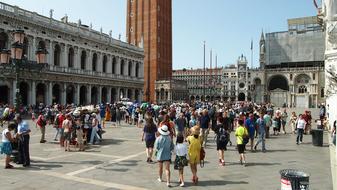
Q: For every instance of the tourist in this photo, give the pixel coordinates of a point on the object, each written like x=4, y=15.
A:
x=6, y=146
x=261, y=128
x=66, y=126
x=181, y=158
x=107, y=116
x=79, y=135
x=269, y=122
x=241, y=133
x=166, y=121
x=292, y=122
x=181, y=123
x=59, y=118
x=94, y=128
x=23, y=141
x=300, y=126
x=221, y=138
x=41, y=123
x=333, y=133
x=118, y=117
x=164, y=147
x=149, y=135
x=205, y=126
x=284, y=117
x=250, y=125
x=194, y=148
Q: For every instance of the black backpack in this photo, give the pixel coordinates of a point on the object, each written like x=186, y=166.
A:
x=222, y=136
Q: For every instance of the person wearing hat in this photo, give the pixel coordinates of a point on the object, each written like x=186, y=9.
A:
x=23, y=140
x=164, y=147
x=194, y=151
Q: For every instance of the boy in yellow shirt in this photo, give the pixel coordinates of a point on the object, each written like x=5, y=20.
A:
x=241, y=133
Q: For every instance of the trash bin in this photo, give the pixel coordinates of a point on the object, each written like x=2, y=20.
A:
x=317, y=137
x=292, y=179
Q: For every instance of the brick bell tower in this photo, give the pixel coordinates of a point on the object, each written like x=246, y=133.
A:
x=149, y=25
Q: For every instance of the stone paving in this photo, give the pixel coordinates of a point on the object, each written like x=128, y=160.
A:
x=119, y=163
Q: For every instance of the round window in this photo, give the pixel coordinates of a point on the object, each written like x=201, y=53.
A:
x=241, y=85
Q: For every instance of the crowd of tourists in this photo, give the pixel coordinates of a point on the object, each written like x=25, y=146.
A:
x=178, y=130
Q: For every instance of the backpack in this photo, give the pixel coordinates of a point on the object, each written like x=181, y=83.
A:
x=40, y=121
x=202, y=157
x=222, y=137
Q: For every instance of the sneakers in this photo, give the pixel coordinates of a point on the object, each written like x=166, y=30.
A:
x=255, y=147
x=168, y=184
x=159, y=179
x=182, y=185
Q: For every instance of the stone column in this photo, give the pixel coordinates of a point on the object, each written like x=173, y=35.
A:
x=118, y=66
x=77, y=58
x=13, y=92
x=51, y=53
x=89, y=62
x=49, y=93
x=89, y=94
x=65, y=56
x=64, y=94
x=99, y=94
x=33, y=93
x=108, y=94
x=77, y=94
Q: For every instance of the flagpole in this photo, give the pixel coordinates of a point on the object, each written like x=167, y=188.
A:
x=251, y=49
x=204, y=88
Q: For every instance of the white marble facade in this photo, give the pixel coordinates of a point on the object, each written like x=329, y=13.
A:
x=84, y=66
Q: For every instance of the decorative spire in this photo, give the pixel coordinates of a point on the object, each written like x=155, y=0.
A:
x=262, y=36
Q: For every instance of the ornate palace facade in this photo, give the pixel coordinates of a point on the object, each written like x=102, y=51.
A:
x=84, y=66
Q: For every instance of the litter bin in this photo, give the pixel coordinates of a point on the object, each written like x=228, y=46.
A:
x=292, y=179
x=317, y=137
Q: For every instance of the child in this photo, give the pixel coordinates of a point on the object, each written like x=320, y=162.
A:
x=79, y=135
x=6, y=147
x=181, y=158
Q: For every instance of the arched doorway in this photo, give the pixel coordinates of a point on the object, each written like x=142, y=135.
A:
x=83, y=59
x=4, y=94
x=57, y=55
x=130, y=94
x=41, y=93
x=70, y=93
x=192, y=98
x=302, y=84
x=94, y=62
x=137, y=95
x=94, y=95
x=113, y=95
x=24, y=89
x=242, y=97
x=197, y=98
x=71, y=58
x=83, y=95
x=56, y=93
x=278, y=87
x=104, y=95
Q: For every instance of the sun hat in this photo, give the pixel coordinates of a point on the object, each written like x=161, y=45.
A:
x=163, y=130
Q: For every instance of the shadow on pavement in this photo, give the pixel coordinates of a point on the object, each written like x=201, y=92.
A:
x=209, y=183
x=283, y=150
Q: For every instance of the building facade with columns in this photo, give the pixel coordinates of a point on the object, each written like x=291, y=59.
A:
x=201, y=84
x=168, y=91
x=84, y=66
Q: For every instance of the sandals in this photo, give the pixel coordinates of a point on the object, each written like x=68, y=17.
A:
x=9, y=166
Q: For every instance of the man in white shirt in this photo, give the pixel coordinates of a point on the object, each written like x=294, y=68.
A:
x=300, y=125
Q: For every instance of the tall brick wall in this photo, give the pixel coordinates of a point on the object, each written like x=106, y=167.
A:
x=150, y=21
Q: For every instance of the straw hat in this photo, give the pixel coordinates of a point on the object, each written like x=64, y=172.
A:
x=195, y=130
x=163, y=130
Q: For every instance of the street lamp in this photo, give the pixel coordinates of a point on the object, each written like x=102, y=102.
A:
x=13, y=59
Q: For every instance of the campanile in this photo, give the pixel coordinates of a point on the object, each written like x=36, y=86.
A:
x=149, y=24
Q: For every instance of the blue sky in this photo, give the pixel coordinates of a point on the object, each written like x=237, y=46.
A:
x=227, y=26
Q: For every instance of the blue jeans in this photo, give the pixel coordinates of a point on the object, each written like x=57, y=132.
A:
x=299, y=135
x=261, y=139
x=93, y=135
x=58, y=132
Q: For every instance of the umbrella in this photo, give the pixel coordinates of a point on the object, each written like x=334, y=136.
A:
x=156, y=107
x=144, y=105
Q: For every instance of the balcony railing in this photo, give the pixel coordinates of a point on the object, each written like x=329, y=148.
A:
x=66, y=70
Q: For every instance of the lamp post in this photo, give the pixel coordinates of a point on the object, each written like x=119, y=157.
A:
x=13, y=59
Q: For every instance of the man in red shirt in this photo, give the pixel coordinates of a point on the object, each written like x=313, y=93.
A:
x=59, y=118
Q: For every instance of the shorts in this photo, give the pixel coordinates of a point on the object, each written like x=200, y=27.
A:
x=221, y=145
x=149, y=144
x=241, y=148
x=67, y=136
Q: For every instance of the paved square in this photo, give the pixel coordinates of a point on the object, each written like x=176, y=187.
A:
x=119, y=163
